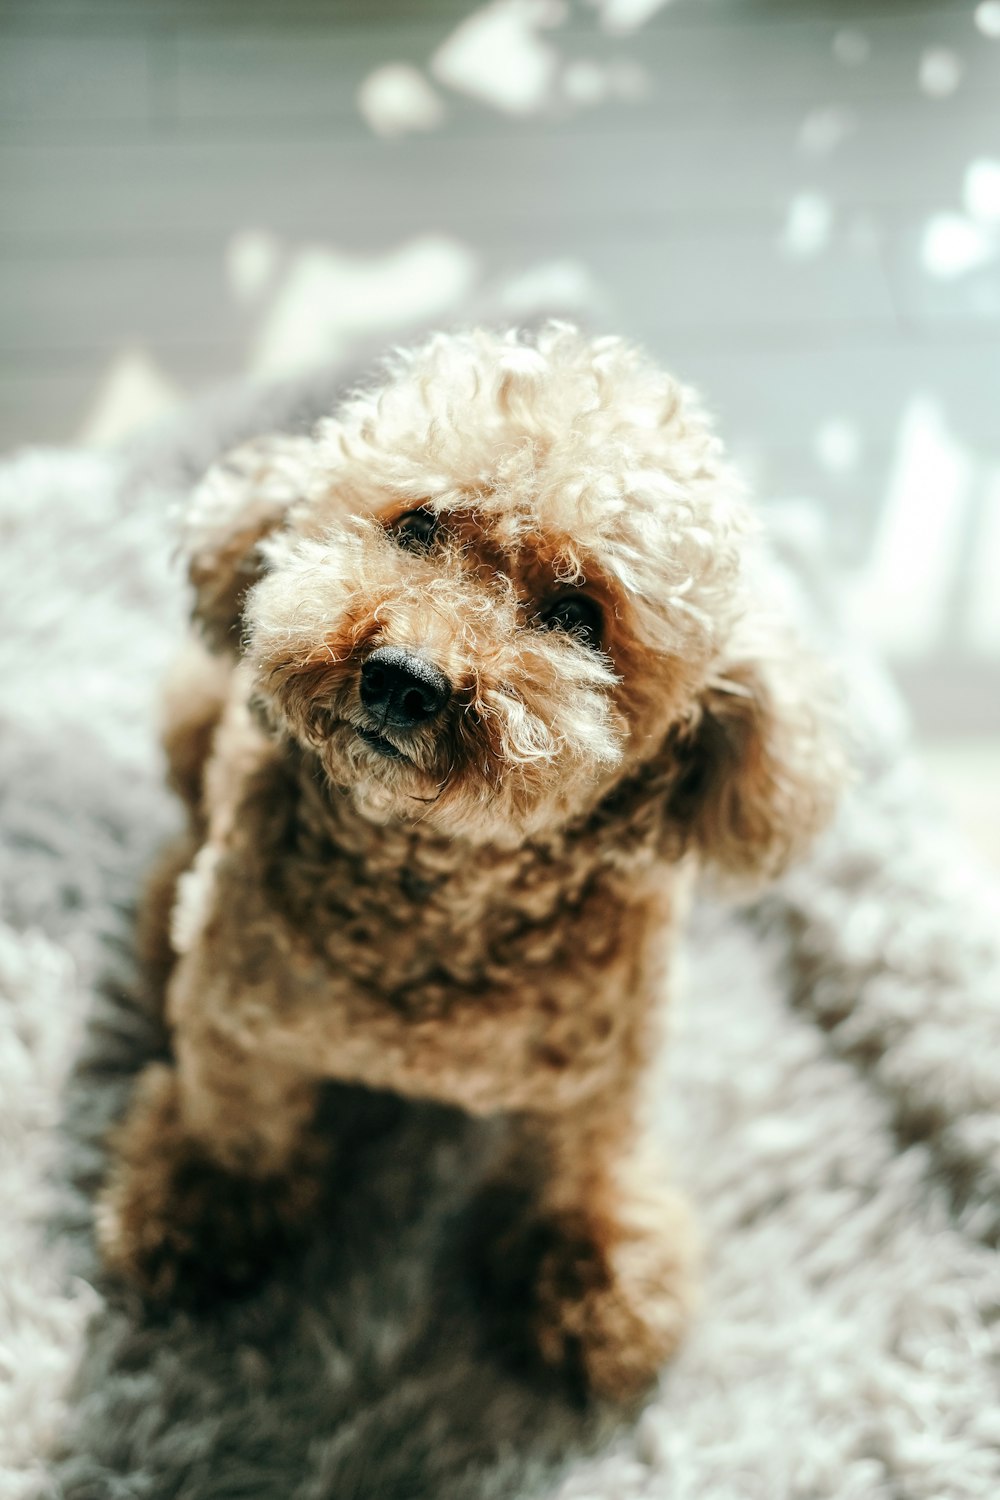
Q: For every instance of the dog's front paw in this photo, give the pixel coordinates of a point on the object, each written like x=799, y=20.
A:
x=601, y=1295
x=612, y=1296
x=178, y=1227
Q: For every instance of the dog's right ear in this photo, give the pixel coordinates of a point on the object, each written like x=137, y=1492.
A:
x=242, y=499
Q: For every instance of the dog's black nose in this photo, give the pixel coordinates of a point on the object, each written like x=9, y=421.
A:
x=402, y=688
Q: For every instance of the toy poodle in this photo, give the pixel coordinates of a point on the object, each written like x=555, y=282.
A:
x=487, y=672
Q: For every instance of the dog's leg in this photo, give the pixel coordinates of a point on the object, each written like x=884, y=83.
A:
x=215, y=1172
x=598, y=1251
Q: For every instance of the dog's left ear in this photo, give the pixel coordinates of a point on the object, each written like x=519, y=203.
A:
x=760, y=764
x=241, y=500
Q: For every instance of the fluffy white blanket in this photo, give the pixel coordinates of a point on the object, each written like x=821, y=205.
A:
x=832, y=1105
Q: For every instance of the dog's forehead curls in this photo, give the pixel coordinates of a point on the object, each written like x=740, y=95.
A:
x=584, y=443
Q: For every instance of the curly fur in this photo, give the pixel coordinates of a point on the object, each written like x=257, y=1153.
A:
x=484, y=920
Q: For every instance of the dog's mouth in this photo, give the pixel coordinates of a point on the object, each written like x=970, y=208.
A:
x=378, y=742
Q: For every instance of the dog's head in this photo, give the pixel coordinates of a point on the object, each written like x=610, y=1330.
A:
x=503, y=585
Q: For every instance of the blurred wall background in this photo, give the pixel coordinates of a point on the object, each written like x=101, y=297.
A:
x=794, y=203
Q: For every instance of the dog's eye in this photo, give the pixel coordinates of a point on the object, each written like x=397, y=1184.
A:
x=577, y=614
x=416, y=531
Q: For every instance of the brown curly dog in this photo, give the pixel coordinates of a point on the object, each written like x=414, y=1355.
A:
x=489, y=674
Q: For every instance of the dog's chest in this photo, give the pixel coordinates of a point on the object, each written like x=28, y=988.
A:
x=419, y=925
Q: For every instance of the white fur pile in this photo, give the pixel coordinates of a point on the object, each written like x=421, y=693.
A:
x=833, y=1103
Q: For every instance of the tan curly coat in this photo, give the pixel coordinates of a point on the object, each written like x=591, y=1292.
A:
x=476, y=908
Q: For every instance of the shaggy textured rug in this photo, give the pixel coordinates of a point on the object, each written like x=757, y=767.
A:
x=831, y=1099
